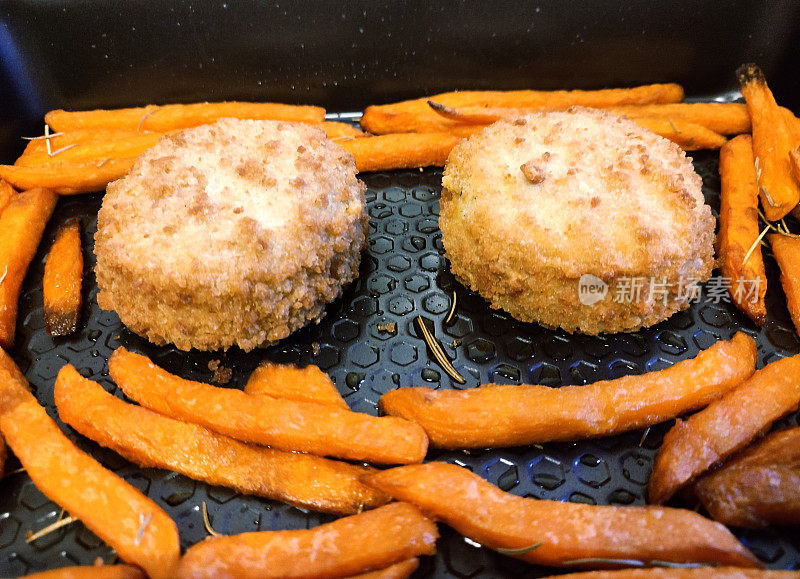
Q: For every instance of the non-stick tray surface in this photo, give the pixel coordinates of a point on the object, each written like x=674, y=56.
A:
x=403, y=274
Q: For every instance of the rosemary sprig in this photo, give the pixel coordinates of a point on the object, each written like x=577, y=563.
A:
x=517, y=552
x=62, y=149
x=674, y=128
x=632, y=563
x=644, y=435
x=143, y=119
x=40, y=137
x=144, y=520
x=756, y=243
x=207, y=523
x=438, y=353
x=31, y=537
x=452, y=311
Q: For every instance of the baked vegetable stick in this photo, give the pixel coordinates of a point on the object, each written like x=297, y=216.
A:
x=6, y=193
x=63, y=276
x=179, y=116
x=787, y=253
x=91, y=572
x=794, y=157
x=400, y=151
x=87, y=146
x=338, y=130
x=415, y=116
x=348, y=546
x=780, y=447
x=151, y=440
x=21, y=226
x=738, y=229
x=564, y=532
x=494, y=416
x=688, y=136
x=69, y=178
x=399, y=570
x=692, y=446
x=284, y=424
x=282, y=381
x=772, y=142
x=699, y=573
x=118, y=513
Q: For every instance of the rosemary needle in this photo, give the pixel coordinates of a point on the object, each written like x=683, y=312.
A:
x=207, y=523
x=436, y=349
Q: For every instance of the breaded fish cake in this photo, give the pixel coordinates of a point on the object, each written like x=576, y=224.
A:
x=579, y=219
x=235, y=233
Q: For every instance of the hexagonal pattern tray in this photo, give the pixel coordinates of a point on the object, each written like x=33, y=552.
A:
x=403, y=274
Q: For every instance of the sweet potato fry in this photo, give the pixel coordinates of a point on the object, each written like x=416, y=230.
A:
x=564, y=532
x=698, y=573
x=91, y=572
x=320, y=429
x=757, y=487
x=338, y=130
x=151, y=440
x=69, y=178
x=772, y=142
x=400, y=151
x=794, y=157
x=348, y=546
x=787, y=254
x=21, y=227
x=178, y=116
x=63, y=276
x=415, y=116
x=87, y=145
x=399, y=570
x=282, y=381
x=688, y=136
x=692, y=446
x=738, y=229
x=494, y=416
x=6, y=193
x=118, y=513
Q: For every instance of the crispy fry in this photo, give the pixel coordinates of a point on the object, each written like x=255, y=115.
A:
x=699, y=573
x=721, y=118
x=494, y=416
x=91, y=572
x=282, y=381
x=178, y=116
x=63, y=276
x=69, y=178
x=688, y=136
x=399, y=570
x=400, y=151
x=726, y=425
x=348, y=546
x=87, y=145
x=787, y=254
x=21, y=227
x=794, y=157
x=738, y=228
x=6, y=193
x=118, y=513
x=758, y=486
x=285, y=424
x=415, y=116
x=772, y=142
x=337, y=130
x=563, y=531
x=151, y=440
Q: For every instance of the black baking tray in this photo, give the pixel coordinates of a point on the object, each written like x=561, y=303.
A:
x=81, y=55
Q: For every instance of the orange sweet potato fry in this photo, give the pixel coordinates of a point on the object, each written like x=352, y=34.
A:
x=400, y=151
x=698, y=573
x=687, y=135
x=87, y=145
x=787, y=254
x=282, y=381
x=6, y=193
x=91, y=572
x=415, y=116
x=21, y=227
x=179, y=116
x=63, y=276
x=794, y=157
x=494, y=416
x=738, y=229
x=772, y=142
x=69, y=178
x=564, y=532
x=692, y=446
x=757, y=487
x=118, y=513
x=336, y=130
x=348, y=546
x=320, y=429
x=399, y=570
x=151, y=440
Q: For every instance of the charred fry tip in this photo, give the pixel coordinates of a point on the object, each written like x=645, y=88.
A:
x=207, y=523
x=749, y=72
x=31, y=537
x=440, y=108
